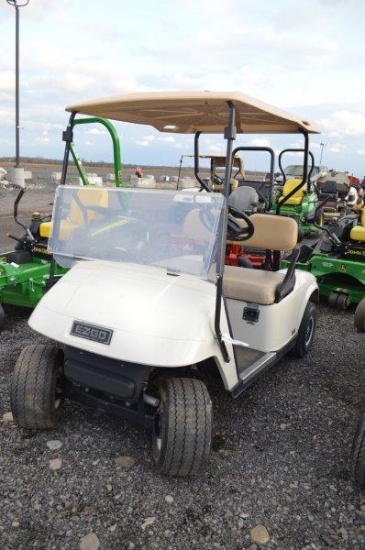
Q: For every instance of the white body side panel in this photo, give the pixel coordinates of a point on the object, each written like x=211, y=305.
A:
x=278, y=323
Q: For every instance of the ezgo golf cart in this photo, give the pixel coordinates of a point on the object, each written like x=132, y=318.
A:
x=148, y=309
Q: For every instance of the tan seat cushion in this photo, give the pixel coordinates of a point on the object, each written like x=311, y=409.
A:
x=251, y=285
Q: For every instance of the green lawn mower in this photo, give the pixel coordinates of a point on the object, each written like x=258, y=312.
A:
x=28, y=270
x=298, y=199
x=337, y=260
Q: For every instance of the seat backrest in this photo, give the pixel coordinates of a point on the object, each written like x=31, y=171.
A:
x=362, y=218
x=288, y=187
x=272, y=232
x=98, y=197
x=329, y=187
x=244, y=199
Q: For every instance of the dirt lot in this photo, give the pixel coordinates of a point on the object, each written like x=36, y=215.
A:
x=280, y=460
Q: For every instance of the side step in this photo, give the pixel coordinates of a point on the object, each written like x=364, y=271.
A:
x=250, y=373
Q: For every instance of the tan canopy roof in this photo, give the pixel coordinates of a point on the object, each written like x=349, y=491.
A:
x=218, y=158
x=189, y=112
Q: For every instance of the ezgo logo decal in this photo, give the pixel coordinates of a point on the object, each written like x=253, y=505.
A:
x=91, y=332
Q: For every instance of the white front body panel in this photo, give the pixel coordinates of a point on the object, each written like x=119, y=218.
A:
x=156, y=318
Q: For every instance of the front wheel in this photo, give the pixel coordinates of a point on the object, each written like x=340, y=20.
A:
x=37, y=387
x=359, y=319
x=182, y=434
x=358, y=453
x=306, y=332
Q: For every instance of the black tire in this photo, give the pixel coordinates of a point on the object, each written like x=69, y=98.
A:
x=359, y=318
x=358, y=453
x=339, y=300
x=2, y=317
x=319, y=217
x=37, y=387
x=301, y=234
x=182, y=435
x=306, y=332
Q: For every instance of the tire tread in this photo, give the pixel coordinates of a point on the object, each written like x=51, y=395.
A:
x=32, y=387
x=189, y=427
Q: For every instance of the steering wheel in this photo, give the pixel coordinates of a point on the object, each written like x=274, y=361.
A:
x=217, y=179
x=234, y=230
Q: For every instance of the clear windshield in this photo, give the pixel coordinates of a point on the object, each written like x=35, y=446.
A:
x=172, y=230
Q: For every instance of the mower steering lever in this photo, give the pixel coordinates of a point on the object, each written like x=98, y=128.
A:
x=15, y=238
x=27, y=237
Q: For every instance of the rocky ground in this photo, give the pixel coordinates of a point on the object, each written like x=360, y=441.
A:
x=279, y=476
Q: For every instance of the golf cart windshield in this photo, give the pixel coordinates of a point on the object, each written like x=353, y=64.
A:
x=137, y=226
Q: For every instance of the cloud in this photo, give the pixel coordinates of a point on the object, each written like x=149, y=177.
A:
x=260, y=142
x=96, y=132
x=345, y=123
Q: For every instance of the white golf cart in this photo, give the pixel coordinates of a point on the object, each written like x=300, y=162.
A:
x=148, y=308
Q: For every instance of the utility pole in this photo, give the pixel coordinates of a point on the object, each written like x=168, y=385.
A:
x=322, y=145
x=18, y=173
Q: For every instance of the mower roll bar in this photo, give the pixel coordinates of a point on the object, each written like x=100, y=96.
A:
x=70, y=148
x=272, y=165
x=305, y=169
x=203, y=185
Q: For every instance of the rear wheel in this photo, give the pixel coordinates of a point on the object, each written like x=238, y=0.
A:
x=37, y=387
x=358, y=453
x=359, y=318
x=182, y=434
x=2, y=317
x=306, y=331
x=339, y=300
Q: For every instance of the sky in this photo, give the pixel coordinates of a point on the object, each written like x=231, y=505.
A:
x=307, y=58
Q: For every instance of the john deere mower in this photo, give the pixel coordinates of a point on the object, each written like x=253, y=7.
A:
x=337, y=260
x=28, y=269
x=298, y=198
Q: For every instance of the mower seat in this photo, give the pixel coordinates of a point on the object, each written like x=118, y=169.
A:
x=357, y=233
x=98, y=197
x=295, y=199
x=328, y=191
x=259, y=286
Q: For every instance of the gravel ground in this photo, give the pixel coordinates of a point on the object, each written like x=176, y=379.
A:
x=280, y=460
